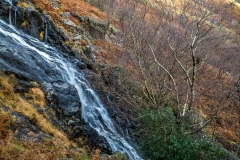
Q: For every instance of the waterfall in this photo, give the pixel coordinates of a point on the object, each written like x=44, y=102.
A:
x=15, y=15
x=10, y=11
x=93, y=110
x=10, y=15
x=45, y=32
x=10, y=2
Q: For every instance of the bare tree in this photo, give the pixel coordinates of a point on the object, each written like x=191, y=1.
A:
x=172, y=44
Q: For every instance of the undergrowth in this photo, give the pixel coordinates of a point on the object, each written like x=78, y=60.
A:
x=11, y=148
x=162, y=138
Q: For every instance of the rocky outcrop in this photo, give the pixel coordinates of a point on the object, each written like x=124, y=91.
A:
x=75, y=40
x=96, y=140
x=63, y=105
x=25, y=130
x=34, y=23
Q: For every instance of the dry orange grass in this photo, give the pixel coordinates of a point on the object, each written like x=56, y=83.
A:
x=37, y=96
x=47, y=150
x=96, y=154
x=227, y=122
x=57, y=147
x=5, y=134
x=80, y=8
x=110, y=52
x=15, y=103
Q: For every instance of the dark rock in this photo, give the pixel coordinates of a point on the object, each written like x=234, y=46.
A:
x=25, y=83
x=51, y=95
x=4, y=10
x=36, y=23
x=114, y=156
x=25, y=130
x=89, y=49
x=20, y=89
x=82, y=65
x=21, y=64
x=57, y=37
x=68, y=97
x=75, y=52
x=96, y=140
x=97, y=28
x=23, y=86
x=29, y=20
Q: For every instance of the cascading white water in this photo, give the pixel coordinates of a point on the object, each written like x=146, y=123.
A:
x=93, y=110
x=10, y=2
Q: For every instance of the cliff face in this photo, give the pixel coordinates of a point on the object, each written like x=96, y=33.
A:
x=54, y=106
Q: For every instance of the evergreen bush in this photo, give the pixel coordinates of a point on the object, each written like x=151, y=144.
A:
x=162, y=138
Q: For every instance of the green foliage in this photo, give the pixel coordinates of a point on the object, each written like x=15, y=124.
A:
x=118, y=156
x=163, y=138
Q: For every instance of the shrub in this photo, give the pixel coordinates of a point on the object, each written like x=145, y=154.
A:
x=162, y=138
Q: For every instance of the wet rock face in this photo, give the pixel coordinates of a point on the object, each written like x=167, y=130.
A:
x=33, y=23
x=4, y=10
x=12, y=61
x=98, y=141
x=61, y=97
x=25, y=130
x=56, y=37
x=68, y=97
x=29, y=20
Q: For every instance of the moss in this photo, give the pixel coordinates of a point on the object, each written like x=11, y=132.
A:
x=24, y=24
x=41, y=35
x=119, y=156
x=23, y=5
x=18, y=147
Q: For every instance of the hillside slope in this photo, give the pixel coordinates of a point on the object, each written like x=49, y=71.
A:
x=114, y=45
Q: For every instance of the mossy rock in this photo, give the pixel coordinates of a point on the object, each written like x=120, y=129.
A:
x=118, y=156
x=115, y=156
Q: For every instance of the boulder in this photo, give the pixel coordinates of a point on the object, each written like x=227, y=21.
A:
x=69, y=22
x=66, y=15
